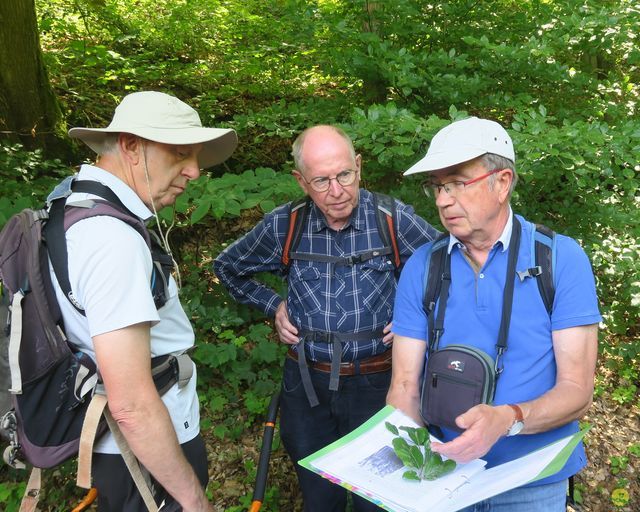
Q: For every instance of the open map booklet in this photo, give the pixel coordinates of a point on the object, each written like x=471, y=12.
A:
x=365, y=463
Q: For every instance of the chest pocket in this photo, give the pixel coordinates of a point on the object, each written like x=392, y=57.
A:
x=377, y=285
x=304, y=288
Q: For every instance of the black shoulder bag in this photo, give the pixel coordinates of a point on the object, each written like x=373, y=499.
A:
x=460, y=376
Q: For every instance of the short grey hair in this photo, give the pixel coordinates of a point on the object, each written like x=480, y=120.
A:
x=110, y=143
x=298, y=144
x=492, y=162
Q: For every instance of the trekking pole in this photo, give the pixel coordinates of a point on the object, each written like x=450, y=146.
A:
x=88, y=500
x=265, y=453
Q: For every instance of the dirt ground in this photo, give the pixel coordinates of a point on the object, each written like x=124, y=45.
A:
x=614, y=429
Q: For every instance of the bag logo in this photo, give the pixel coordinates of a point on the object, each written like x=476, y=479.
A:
x=456, y=365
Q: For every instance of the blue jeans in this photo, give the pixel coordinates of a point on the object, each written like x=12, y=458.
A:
x=305, y=430
x=541, y=498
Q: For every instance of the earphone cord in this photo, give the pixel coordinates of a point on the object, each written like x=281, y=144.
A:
x=164, y=236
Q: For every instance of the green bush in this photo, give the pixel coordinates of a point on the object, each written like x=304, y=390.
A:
x=26, y=178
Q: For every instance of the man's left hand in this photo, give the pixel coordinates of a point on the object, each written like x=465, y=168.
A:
x=483, y=425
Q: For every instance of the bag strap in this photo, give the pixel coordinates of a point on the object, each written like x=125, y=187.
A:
x=61, y=219
x=15, y=340
x=31, y=496
x=507, y=298
x=54, y=231
x=97, y=409
x=385, y=208
x=543, y=254
x=298, y=213
x=139, y=475
x=445, y=283
x=544, y=251
x=98, y=189
x=87, y=438
x=435, y=266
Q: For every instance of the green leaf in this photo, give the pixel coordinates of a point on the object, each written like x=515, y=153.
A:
x=201, y=210
x=411, y=475
x=391, y=428
x=267, y=205
x=416, y=456
x=265, y=351
x=401, y=448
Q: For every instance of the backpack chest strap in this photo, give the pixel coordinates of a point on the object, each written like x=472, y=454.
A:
x=342, y=260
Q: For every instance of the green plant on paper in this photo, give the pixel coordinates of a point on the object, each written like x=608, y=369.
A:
x=416, y=454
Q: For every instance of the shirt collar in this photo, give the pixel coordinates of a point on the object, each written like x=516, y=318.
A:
x=503, y=239
x=125, y=193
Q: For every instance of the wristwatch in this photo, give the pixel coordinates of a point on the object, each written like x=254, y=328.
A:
x=518, y=423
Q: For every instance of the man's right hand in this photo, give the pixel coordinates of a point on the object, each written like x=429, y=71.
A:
x=287, y=332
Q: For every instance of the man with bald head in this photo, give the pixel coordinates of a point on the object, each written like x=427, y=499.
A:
x=336, y=316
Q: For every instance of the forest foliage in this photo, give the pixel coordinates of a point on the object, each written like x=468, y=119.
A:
x=562, y=77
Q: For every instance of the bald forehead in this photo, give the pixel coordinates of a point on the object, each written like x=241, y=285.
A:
x=323, y=134
x=326, y=139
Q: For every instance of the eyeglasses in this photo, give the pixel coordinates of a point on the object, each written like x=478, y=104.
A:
x=322, y=184
x=452, y=188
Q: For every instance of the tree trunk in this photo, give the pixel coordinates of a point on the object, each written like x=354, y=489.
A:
x=29, y=111
x=374, y=86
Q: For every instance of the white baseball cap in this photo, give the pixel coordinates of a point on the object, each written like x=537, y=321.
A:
x=163, y=118
x=462, y=141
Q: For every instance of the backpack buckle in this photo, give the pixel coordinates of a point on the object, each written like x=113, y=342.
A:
x=10, y=454
x=530, y=272
x=355, y=259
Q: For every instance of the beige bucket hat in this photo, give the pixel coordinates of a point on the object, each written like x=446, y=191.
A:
x=163, y=118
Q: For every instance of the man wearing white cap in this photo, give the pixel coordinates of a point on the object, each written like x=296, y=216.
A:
x=153, y=147
x=548, y=367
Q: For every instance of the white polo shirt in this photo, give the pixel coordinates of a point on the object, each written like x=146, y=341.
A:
x=109, y=271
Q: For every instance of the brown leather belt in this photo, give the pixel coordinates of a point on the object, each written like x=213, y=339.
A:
x=373, y=364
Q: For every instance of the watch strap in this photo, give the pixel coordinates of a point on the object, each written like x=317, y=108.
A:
x=518, y=423
x=518, y=411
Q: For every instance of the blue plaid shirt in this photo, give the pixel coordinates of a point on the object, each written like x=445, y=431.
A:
x=323, y=296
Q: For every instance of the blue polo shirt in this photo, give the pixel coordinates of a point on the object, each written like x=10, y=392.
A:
x=473, y=317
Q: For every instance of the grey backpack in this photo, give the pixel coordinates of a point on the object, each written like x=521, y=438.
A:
x=51, y=382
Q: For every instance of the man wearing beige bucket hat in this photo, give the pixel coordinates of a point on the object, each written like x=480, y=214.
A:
x=543, y=374
x=154, y=146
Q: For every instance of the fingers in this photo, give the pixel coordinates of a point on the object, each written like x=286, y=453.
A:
x=482, y=427
x=287, y=332
x=388, y=335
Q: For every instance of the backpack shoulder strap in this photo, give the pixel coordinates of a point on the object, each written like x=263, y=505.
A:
x=61, y=219
x=434, y=270
x=298, y=213
x=543, y=249
x=385, y=208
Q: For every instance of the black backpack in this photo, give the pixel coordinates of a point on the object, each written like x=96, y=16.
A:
x=385, y=207
x=543, y=244
x=51, y=381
